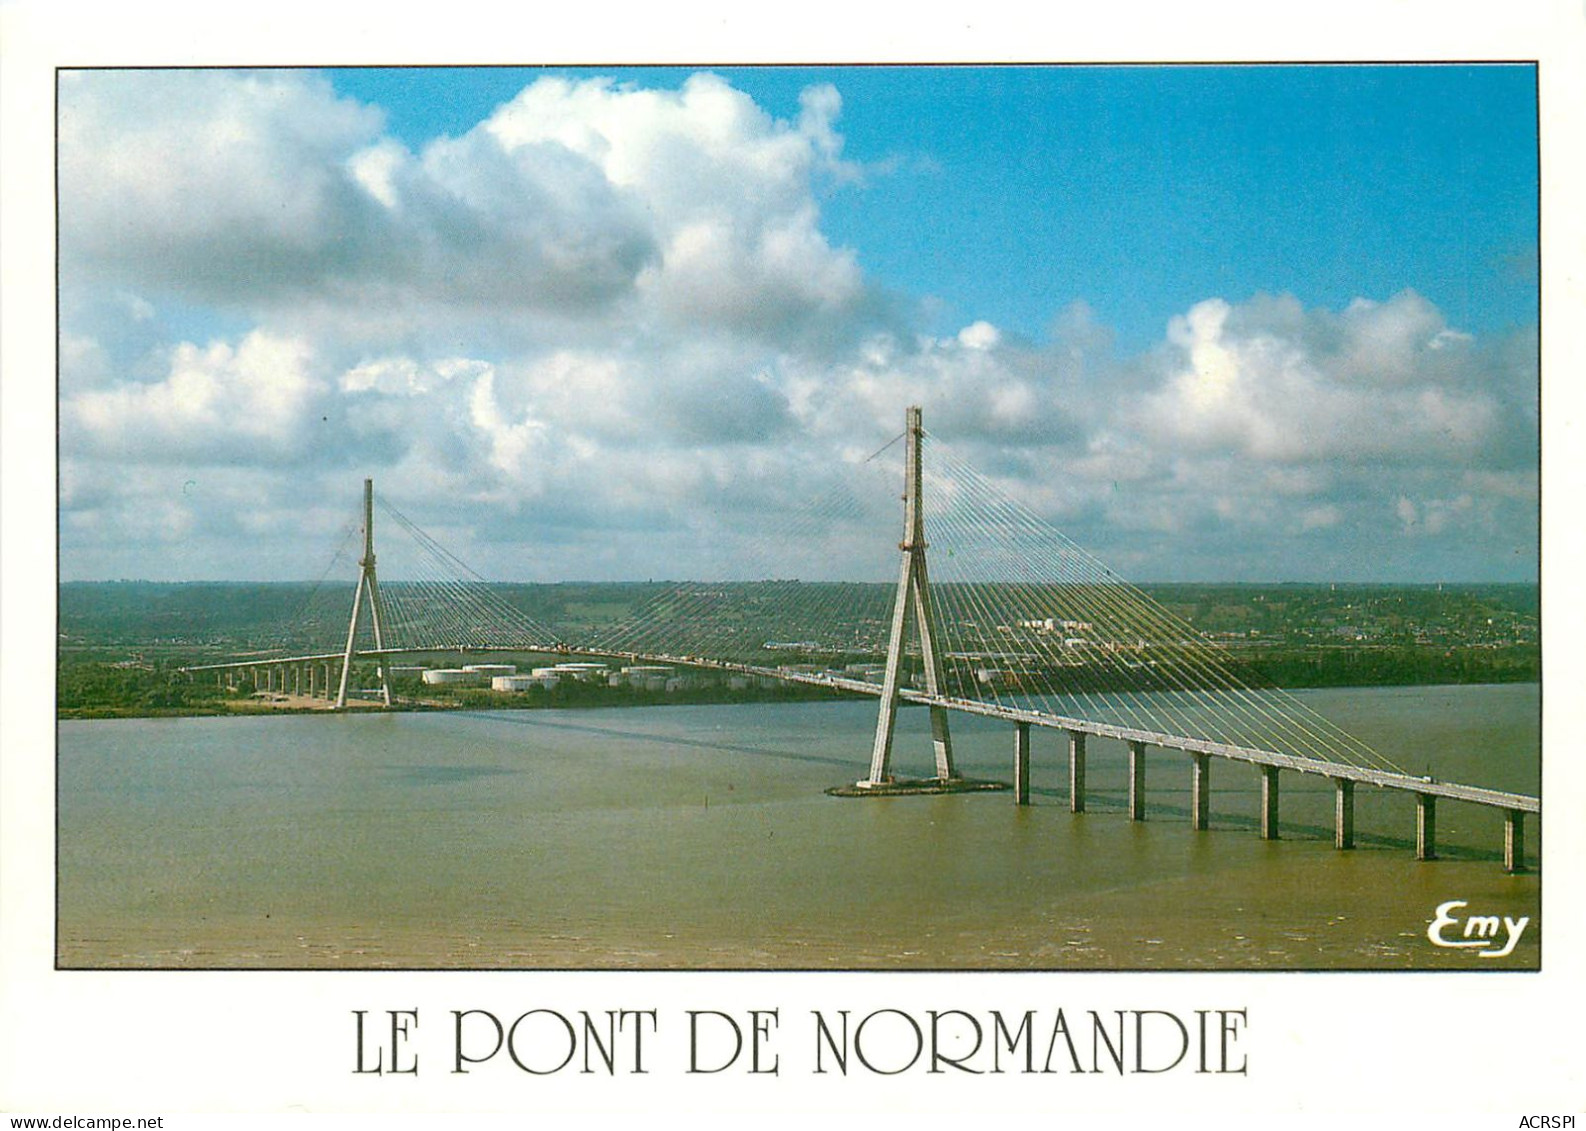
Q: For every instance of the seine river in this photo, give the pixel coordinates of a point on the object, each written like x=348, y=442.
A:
x=700, y=837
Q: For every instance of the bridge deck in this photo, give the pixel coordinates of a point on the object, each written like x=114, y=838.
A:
x=1385, y=779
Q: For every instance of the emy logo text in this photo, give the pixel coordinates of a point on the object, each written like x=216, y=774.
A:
x=1451, y=930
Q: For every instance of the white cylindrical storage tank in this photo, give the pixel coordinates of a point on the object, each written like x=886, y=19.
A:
x=491, y=670
x=512, y=682
x=448, y=675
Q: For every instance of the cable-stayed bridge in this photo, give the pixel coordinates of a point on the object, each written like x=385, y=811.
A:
x=993, y=613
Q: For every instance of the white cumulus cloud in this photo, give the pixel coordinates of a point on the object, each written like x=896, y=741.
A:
x=615, y=309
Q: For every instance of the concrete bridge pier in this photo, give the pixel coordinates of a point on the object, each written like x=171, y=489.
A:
x=1343, y=813
x=1021, y=763
x=1200, y=791
x=1269, y=803
x=325, y=683
x=1137, y=781
x=1076, y=771
x=1426, y=826
x=1513, y=841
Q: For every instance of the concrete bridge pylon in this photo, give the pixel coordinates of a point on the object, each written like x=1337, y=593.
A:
x=368, y=583
x=913, y=597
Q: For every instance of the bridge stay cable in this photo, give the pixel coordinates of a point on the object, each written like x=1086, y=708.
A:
x=1009, y=591
x=1195, y=668
x=1021, y=616
x=1010, y=619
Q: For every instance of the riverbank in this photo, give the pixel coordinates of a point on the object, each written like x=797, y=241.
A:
x=100, y=689
x=575, y=696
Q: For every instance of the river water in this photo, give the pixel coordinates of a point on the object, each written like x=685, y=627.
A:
x=700, y=837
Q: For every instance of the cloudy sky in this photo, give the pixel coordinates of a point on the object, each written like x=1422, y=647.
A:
x=1261, y=323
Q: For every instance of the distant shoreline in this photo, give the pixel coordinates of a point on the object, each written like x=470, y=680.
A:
x=511, y=703
x=120, y=644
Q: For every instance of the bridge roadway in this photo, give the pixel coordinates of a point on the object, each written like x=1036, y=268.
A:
x=1343, y=774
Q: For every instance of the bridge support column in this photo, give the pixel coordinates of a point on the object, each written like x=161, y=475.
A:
x=368, y=583
x=1513, y=841
x=1200, y=791
x=1137, y=781
x=913, y=597
x=1425, y=826
x=1343, y=813
x=1021, y=763
x=325, y=683
x=1269, y=803
x=1076, y=771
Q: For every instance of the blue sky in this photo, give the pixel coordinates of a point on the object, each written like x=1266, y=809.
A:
x=1011, y=192
x=1215, y=323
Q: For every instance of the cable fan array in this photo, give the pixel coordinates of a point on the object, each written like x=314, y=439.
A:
x=1030, y=618
x=1025, y=618
x=437, y=600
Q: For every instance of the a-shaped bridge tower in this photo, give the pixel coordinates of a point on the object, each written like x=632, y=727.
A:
x=913, y=597
x=368, y=587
